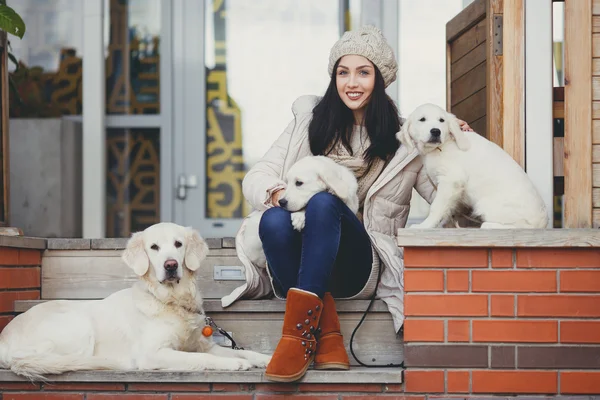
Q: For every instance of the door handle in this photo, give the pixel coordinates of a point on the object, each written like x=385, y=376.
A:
x=184, y=183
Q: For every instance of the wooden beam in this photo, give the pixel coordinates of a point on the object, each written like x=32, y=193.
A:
x=578, y=114
x=494, y=78
x=467, y=18
x=514, y=80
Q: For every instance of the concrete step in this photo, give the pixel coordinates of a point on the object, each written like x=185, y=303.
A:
x=257, y=324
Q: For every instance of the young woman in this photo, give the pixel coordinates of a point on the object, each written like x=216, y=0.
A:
x=338, y=254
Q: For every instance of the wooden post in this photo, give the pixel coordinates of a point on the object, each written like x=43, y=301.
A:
x=514, y=79
x=495, y=91
x=578, y=114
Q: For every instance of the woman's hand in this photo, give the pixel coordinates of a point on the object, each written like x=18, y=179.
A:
x=464, y=126
x=276, y=196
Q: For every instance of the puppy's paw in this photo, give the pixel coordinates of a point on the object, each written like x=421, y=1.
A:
x=298, y=220
x=235, y=364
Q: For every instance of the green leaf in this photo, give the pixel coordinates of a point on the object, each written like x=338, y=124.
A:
x=11, y=22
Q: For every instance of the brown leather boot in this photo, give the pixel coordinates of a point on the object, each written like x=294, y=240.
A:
x=296, y=349
x=331, y=353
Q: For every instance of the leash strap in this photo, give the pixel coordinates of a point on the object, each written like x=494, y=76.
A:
x=209, y=321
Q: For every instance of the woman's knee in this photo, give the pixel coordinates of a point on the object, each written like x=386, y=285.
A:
x=323, y=202
x=274, y=222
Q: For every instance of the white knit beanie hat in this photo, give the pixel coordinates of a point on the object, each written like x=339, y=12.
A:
x=367, y=41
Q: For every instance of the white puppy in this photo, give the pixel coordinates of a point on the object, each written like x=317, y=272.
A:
x=156, y=324
x=468, y=169
x=307, y=177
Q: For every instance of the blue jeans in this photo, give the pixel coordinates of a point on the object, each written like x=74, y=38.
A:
x=332, y=253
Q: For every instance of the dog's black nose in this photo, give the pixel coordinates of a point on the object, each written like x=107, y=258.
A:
x=435, y=132
x=171, y=265
x=283, y=202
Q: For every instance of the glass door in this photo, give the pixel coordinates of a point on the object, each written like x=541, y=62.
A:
x=238, y=67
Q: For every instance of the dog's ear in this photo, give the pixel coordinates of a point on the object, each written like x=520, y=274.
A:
x=404, y=136
x=135, y=256
x=196, y=249
x=459, y=137
x=334, y=182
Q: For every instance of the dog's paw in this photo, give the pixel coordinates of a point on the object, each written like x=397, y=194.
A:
x=235, y=364
x=298, y=220
x=259, y=360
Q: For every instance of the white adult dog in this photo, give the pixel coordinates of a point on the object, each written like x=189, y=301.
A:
x=156, y=324
x=469, y=170
x=307, y=177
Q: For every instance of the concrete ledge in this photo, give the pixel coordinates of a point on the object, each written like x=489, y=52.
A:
x=473, y=237
x=120, y=243
x=354, y=375
x=249, y=306
x=23, y=242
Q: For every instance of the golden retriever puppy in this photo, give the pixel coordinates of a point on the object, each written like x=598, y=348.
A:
x=470, y=171
x=154, y=325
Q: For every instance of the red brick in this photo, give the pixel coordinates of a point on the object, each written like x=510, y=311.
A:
x=20, y=278
x=580, y=332
x=380, y=396
x=580, y=382
x=126, y=396
x=515, y=331
x=424, y=381
x=502, y=258
x=458, y=331
x=169, y=387
x=281, y=397
x=458, y=382
x=580, y=281
x=9, y=256
x=423, y=330
x=457, y=281
x=30, y=257
x=451, y=305
x=446, y=257
x=558, y=258
x=340, y=387
x=423, y=281
x=19, y=386
x=397, y=388
x=558, y=306
x=220, y=397
x=514, y=382
x=502, y=305
x=44, y=396
x=7, y=299
x=82, y=387
x=513, y=281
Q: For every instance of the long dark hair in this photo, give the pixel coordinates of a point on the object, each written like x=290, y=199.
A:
x=333, y=121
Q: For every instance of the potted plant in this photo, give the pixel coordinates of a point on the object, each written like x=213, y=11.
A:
x=10, y=23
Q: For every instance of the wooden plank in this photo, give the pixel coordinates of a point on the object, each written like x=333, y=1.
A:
x=479, y=126
x=596, y=218
x=596, y=7
x=84, y=274
x=596, y=153
x=595, y=176
x=464, y=20
x=596, y=24
x=596, y=67
x=596, y=109
x=559, y=156
x=578, y=114
x=448, y=72
x=596, y=131
x=558, y=109
x=460, y=237
x=514, y=80
x=595, y=88
x=356, y=375
x=596, y=197
x=471, y=60
x=596, y=45
x=468, y=84
x=472, y=108
x=469, y=40
x=495, y=80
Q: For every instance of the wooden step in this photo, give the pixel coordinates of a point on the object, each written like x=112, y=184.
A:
x=256, y=325
x=355, y=375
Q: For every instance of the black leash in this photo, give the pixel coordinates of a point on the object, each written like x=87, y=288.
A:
x=210, y=322
x=391, y=365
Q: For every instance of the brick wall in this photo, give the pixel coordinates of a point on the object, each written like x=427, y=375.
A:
x=502, y=320
x=199, y=391
x=19, y=279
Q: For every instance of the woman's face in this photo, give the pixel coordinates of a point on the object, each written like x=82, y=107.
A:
x=355, y=80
